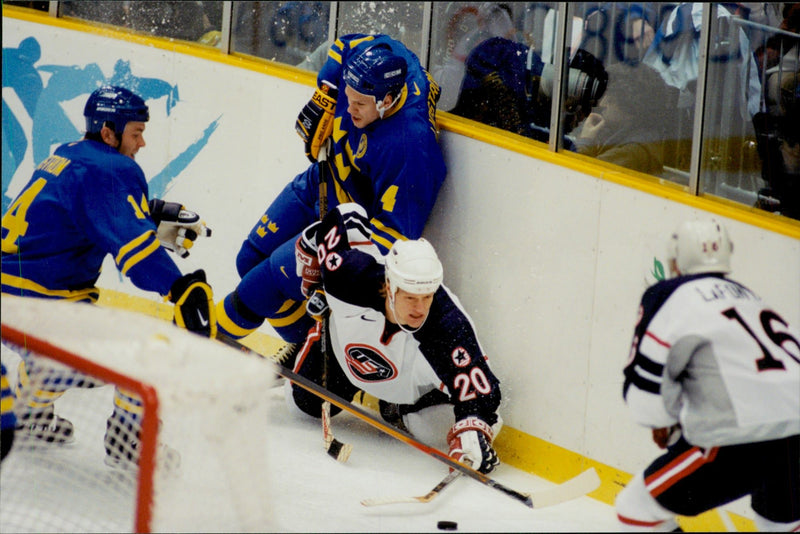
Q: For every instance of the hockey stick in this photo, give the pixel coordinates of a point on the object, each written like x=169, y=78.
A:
x=407, y=438
x=573, y=488
x=428, y=497
x=336, y=449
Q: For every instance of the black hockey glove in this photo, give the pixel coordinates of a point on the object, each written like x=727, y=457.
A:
x=470, y=442
x=177, y=226
x=194, y=304
x=315, y=121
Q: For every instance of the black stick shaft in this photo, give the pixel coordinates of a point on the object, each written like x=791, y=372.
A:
x=373, y=420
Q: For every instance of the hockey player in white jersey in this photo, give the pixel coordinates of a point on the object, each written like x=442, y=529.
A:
x=715, y=372
x=398, y=334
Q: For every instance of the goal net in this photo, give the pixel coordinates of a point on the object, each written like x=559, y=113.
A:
x=199, y=450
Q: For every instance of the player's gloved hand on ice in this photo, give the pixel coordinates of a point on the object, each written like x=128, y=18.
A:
x=470, y=441
x=317, y=305
x=667, y=436
x=194, y=304
x=315, y=121
x=306, y=261
x=177, y=226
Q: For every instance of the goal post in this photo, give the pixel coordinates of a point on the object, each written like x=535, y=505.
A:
x=199, y=398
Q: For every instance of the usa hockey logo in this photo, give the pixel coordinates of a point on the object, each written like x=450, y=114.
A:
x=368, y=365
x=461, y=357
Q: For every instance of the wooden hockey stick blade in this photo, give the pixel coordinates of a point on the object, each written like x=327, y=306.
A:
x=339, y=451
x=373, y=420
x=336, y=449
x=573, y=488
x=446, y=481
x=577, y=486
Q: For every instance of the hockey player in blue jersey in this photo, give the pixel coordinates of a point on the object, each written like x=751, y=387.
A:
x=398, y=334
x=8, y=420
x=715, y=373
x=88, y=200
x=377, y=105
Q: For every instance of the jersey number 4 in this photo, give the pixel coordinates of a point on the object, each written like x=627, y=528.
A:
x=767, y=360
x=14, y=222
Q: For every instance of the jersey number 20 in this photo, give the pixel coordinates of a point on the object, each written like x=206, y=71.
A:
x=468, y=384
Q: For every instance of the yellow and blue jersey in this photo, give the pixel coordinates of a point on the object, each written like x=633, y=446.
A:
x=394, y=167
x=85, y=201
x=7, y=417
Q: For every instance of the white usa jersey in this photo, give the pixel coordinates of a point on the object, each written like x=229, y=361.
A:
x=376, y=355
x=709, y=354
x=392, y=369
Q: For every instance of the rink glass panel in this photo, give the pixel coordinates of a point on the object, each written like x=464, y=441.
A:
x=717, y=155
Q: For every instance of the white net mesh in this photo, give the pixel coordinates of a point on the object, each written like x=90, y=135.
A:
x=210, y=471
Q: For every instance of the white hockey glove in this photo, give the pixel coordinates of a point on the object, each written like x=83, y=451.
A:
x=177, y=226
x=306, y=261
x=470, y=441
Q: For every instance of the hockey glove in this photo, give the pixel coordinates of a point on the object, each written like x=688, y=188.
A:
x=315, y=121
x=194, y=304
x=177, y=226
x=306, y=261
x=470, y=441
x=317, y=305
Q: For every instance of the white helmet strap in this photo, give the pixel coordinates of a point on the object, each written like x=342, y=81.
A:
x=383, y=109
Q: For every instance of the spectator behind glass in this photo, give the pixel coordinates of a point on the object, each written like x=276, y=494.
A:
x=771, y=55
x=189, y=21
x=632, y=120
x=779, y=148
x=491, y=20
x=506, y=85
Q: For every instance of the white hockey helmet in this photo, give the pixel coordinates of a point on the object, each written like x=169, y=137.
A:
x=413, y=266
x=701, y=247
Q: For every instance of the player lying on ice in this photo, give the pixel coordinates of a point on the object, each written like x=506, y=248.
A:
x=396, y=333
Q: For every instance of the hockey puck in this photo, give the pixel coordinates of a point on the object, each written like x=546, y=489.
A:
x=447, y=525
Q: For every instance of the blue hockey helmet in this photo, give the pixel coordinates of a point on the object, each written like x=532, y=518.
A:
x=115, y=105
x=376, y=72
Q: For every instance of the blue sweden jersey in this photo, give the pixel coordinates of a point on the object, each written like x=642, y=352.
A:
x=83, y=202
x=7, y=417
x=394, y=167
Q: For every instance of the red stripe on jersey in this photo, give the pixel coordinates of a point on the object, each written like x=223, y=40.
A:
x=656, y=339
x=678, y=469
x=313, y=337
x=637, y=523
